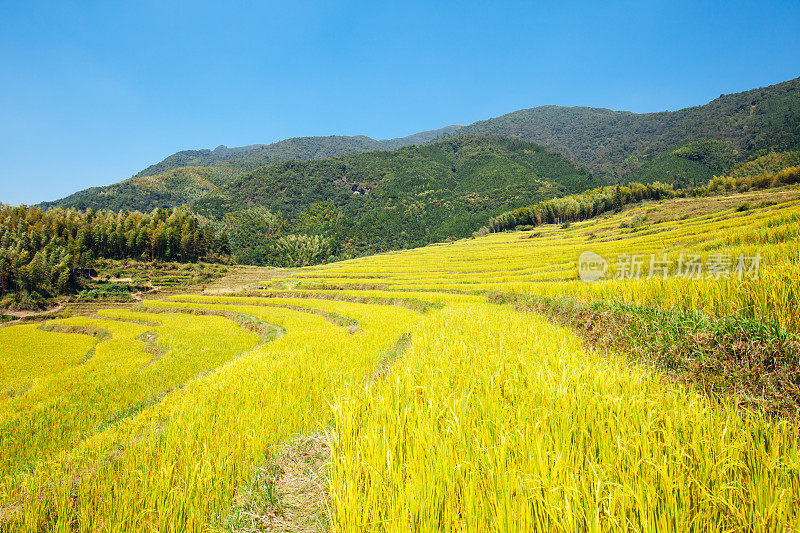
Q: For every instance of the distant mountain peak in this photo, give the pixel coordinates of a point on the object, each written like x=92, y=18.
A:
x=252, y=156
x=617, y=145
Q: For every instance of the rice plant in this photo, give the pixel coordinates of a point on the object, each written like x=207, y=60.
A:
x=444, y=408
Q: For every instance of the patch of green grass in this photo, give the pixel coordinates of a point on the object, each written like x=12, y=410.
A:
x=107, y=290
x=752, y=360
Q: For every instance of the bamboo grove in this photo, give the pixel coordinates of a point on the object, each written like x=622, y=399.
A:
x=44, y=253
x=579, y=206
x=764, y=172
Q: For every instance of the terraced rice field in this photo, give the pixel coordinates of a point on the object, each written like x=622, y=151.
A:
x=428, y=407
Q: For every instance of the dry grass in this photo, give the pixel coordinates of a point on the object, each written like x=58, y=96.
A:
x=747, y=361
x=289, y=493
x=244, y=277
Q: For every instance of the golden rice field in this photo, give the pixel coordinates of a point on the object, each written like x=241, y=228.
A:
x=441, y=411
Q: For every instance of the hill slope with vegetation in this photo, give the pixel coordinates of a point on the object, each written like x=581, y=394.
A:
x=312, y=199
x=187, y=175
x=246, y=158
x=306, y=212
x=684, y=147
x=174, y=187
x=775, y=169
x=380, y=201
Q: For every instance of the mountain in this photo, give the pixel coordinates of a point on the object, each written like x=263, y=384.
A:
x=171, y=188
x=246, y=158
x=185, y=176
x=407, y=197
x=683, y=147
x=419, y=138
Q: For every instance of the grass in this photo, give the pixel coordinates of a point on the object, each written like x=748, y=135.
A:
x=63, y=408
x=546, y=265
x=196, y=447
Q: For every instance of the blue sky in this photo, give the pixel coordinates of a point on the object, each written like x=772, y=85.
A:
x=92, y=92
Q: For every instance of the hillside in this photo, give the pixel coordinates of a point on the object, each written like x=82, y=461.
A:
x=407, y=197
x=187, y=175
x=174, y=187
x=684, y=147
x=246, y=158
x=357, y=203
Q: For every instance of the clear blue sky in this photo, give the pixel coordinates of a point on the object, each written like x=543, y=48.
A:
x=92, y=92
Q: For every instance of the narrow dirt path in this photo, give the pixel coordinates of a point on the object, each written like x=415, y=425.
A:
x=245, y=277
x=30, y=314
x=290, y=493
x=137, y=296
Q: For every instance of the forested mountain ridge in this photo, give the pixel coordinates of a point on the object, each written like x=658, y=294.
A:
x=384, y=200
x=489, y=170
x=685, y=147
x=185, y=176
x=357, y=203
x=246, y=158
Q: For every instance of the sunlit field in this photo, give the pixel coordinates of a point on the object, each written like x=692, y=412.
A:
x=544, y=261
x=438, y=408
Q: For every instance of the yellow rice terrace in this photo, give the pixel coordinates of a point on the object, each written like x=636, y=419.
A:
x=637, y=371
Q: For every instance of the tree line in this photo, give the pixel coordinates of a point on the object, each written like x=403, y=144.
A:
x=578, y=207
x=45, y=253
x=770, y=170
